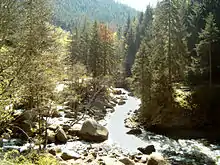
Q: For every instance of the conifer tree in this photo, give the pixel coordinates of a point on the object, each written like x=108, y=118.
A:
x=208, y=36
x=95, y=51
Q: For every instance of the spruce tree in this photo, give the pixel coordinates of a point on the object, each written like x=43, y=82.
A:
x=95, y=51
x=208, y=36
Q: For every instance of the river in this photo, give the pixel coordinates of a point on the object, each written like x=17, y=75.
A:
x=179, y=152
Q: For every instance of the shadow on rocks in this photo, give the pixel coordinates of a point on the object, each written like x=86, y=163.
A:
x=194, y=157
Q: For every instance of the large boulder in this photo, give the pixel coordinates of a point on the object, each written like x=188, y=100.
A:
x=157, y=159
x=61, y=136
x=147, y=150
x=93, y=131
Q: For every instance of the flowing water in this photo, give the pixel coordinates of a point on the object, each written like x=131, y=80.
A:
x=179, y=152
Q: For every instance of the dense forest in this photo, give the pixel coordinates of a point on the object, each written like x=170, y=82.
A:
x=175, y=64
x=69, y=13
x=67, y=61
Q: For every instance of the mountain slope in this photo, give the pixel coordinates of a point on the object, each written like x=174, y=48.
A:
x=69, y=12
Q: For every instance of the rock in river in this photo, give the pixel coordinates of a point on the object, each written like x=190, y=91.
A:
x=61, y=136
x=121, y=102
x=93, y=131
x=147, y=150
x=135, y=131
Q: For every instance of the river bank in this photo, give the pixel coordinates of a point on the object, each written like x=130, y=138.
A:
x=121, y=147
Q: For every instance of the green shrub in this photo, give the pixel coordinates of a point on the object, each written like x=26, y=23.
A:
x=15, y=158
x=47, y=160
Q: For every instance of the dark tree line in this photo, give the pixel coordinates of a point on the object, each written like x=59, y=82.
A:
x=175, y=44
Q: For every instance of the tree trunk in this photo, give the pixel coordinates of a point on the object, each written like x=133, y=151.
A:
x=210, y=65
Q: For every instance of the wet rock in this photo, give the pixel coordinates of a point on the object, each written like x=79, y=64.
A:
x=135, y=131
x=131, y=94
x=117, y=92
x=51, y=136
x=61, y=136
x=67, y=155
x=157, y=159
x=147, y=150
x=121, y=102
x=126, y=161
x=52, y=151
x=93, y=131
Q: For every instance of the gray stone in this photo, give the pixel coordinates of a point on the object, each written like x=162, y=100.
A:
x=93, y=131
x=61, y=136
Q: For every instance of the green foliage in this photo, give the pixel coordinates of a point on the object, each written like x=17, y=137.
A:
x=208, y=37
x=15, y=158
x=47, y=160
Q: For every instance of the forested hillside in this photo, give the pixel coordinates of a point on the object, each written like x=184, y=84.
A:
x=70, y=12
x=172, y=62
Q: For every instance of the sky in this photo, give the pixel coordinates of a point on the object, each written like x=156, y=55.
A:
x=139, y=4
